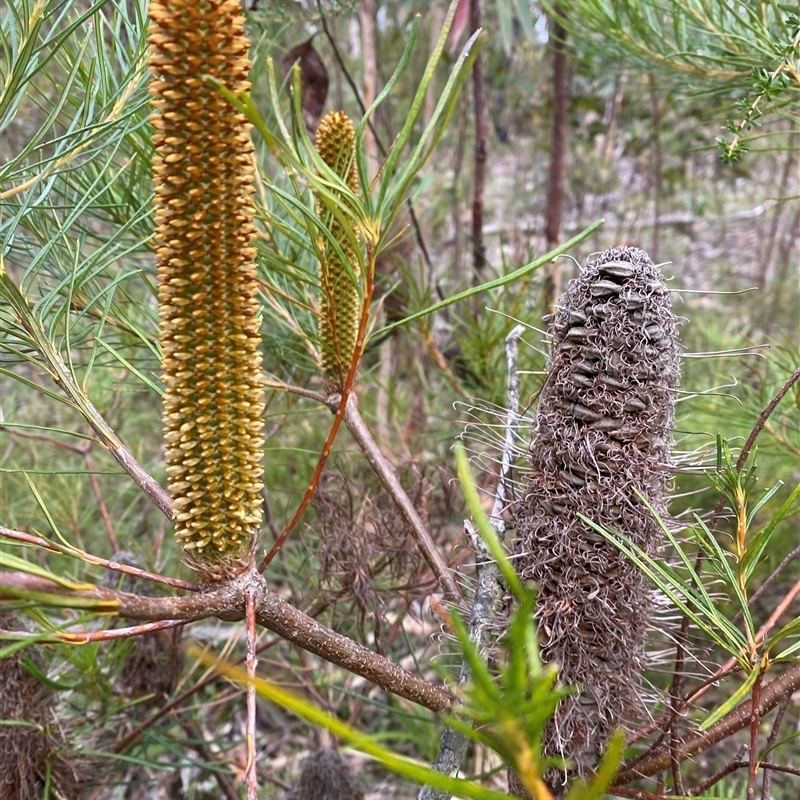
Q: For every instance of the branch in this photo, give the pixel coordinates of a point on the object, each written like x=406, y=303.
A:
x=739, y=718
x=339, y=411
x=227, y=602
x=64, y=379
x=293, y=625
x=116, y=566
x=764, y=416
x=479, y=177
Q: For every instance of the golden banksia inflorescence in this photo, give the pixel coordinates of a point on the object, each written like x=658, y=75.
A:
x=340, y=305
x=203, y=175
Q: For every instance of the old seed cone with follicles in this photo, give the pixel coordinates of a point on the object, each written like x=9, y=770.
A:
x=340, y=305
x=602, y=433
x=203, y=174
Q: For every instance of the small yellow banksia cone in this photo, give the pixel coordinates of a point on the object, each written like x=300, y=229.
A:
x=203, y=175
x=340, y=307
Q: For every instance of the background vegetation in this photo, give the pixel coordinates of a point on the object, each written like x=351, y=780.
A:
x=652, y=87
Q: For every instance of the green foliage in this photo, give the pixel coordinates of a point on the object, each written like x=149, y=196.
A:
x=719, y=48
x=687, y=581
x=78, y=308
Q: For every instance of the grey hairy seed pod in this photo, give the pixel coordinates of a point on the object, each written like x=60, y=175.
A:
x=590, y=453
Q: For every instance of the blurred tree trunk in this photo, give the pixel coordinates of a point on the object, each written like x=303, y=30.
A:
x=658, y=184
x=369, y=91
x=478, y=81
x=558, y=146
x=370, y=86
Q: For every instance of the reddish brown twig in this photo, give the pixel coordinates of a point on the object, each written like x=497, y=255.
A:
x=339, y=416
x=84, y=637
x=755, y=719
x=251, y=774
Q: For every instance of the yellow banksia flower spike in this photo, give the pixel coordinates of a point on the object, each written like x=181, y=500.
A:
x=203, y=175
x=340, y=306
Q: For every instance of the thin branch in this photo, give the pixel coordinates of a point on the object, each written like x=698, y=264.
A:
x=347, y=388
x=479, y=178
x=298, y=390
x=558, y=136
x=740, y=764
x=769, y=580
x=755, y=720
x=771, y=739
x=85, y=637
x=489, y=590
x=757, y=428
x=64, y=379
x=719, y=775
x=383, y=469
x=764, y=416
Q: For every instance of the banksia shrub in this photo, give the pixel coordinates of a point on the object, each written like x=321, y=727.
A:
x=602, y=433
x=340, y=306
x=203, y=173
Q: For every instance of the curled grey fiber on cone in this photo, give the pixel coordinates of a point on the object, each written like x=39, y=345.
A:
x=602, y=431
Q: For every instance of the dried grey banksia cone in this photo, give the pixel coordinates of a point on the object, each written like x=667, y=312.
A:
x=602, y=432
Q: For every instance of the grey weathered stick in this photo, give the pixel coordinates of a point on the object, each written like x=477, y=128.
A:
x=488, y=589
